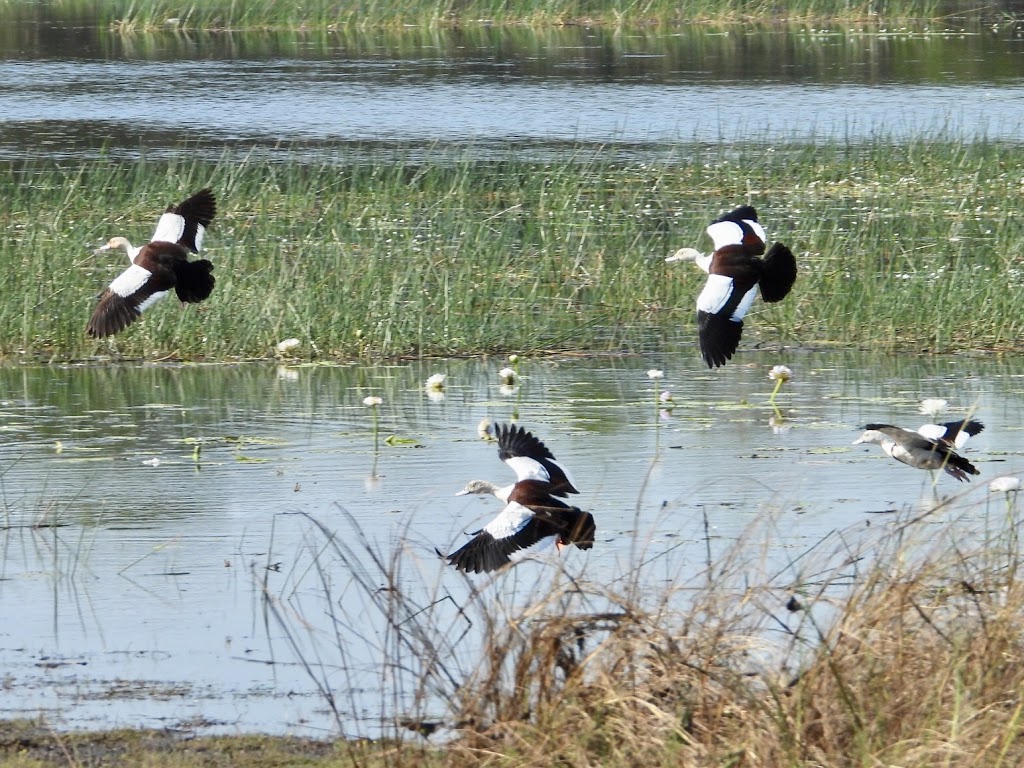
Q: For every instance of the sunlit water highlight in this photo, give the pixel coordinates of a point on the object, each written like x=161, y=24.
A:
x=143, y=603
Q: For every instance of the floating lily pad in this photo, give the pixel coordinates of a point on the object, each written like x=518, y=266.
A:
x=395, y=440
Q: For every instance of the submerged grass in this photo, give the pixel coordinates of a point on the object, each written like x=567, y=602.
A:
x=436, y=253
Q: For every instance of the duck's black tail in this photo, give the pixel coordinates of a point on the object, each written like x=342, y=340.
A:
x=959, y=467
x=582, y=528
x=779, y=273
x=192, y=280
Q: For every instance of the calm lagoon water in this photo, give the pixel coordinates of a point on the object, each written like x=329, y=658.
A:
x=79, y=91
x=134, y=572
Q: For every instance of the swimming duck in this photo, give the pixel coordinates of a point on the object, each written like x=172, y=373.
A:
x=158, y=266
x=919, y=451
x=534, y=510
x=735, y=271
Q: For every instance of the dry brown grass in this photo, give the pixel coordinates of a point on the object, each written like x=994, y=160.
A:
x=904, y=649
x=905, y=652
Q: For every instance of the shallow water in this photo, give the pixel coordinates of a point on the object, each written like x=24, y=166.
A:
x=142, y=601
x=79, y=91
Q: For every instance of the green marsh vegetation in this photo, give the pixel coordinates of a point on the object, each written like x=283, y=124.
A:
x=383, y=254
x=145, y=15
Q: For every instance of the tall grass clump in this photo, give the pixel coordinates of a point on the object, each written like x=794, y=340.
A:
x=900, y=647
x=434, y=252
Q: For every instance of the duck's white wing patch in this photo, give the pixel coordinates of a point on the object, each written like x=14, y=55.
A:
x=939, y=433
x=544, y=547
x=130, y=281
x=151, y=300
x=528, y=469
x=171, y=227
x=716, y=293
x=725, y=233
x=945, y=432
x=744, y=306
x=200, y=231
x=509, y=521
x=758, y=230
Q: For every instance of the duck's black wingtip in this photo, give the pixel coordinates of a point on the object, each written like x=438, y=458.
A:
x=740, y=213
x=970, y=427
x=719, y=337
x=515, y=441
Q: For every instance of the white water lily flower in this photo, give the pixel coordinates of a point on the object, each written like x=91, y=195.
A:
x=286, y=346
x=508, y=376
x=1004, y=484
x=513, y=358
x=654, y=373
x=373, y=401
x=435, y=382
x=780, y=374
x=933, y=406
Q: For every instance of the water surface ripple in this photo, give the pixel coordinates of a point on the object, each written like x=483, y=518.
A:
x=580, y=86
x=136, y=565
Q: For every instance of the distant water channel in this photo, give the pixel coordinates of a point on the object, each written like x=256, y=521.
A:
x=78, y=91
x=162, y=563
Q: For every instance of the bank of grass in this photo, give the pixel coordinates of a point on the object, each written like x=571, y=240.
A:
x=916, y=246
x=271, y=14
x=147, y=15
x=898, y=648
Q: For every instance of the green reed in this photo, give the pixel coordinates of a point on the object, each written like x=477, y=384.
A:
x=142, y=15
x=434, y=253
